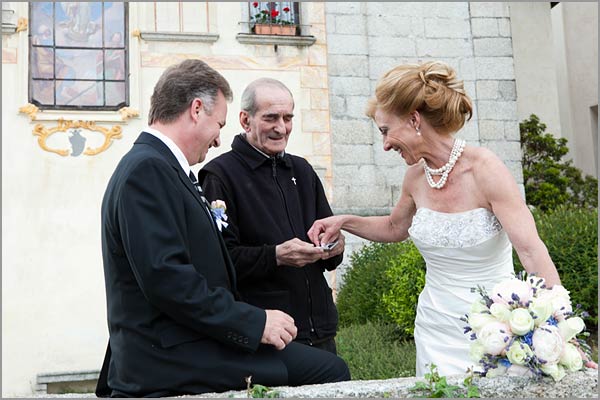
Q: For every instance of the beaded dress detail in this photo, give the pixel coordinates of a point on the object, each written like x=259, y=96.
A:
x=461, y=250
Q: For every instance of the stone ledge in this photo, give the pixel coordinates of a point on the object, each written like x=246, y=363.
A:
x=282, y=40
x=582, y=384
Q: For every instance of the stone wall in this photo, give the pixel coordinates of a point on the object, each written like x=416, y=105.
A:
x=365, y=39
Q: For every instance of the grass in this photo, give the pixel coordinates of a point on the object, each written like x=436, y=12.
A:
x=373, y=351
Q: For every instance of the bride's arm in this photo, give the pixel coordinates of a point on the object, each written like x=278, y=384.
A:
x=503, y=195
x=389, y=228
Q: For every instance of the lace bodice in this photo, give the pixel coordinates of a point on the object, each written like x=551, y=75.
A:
x=454, y=230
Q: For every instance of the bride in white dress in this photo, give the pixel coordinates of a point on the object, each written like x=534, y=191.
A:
x=459, y=204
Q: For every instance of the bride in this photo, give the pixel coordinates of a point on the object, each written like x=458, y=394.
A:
x=460, y=205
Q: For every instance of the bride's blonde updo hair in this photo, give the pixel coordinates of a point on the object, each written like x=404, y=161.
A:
x=430, y=88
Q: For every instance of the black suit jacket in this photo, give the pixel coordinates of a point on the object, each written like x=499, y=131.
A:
x=172, y=312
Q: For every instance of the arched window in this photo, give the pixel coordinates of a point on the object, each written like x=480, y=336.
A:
x=78, y=55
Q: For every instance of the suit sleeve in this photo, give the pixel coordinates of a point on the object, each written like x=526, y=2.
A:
x=251, y=262
x=153, y=224
x=324, y=211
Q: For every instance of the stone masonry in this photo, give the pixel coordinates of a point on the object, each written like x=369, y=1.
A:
x=364, y=40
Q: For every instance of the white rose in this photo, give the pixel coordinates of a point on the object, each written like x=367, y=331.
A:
x=541, y=307
x=571, y=358
x=547, y=343
x=520, y=321
x=570, y=327
x=476, y=351
x=561, y=302
x=494, y=337
x=554, y=370
x=519, y=353
x=479, y=320
x=500, y=311
x=504, y=291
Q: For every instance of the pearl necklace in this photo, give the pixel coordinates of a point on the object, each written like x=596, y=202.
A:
x=444, y=170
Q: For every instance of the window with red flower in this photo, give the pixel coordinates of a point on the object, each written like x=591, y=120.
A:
x=274, y=12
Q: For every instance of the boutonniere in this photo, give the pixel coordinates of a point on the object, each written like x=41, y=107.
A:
x=217, y=209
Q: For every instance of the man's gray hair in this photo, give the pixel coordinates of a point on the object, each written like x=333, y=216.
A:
x=248, y=102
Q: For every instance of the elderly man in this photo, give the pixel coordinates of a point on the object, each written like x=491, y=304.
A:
x=175, y=323
x=272, y=198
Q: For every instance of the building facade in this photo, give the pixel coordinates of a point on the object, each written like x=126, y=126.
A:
x=77, y=79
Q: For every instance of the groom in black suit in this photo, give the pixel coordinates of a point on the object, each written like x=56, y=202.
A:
x=175, y=322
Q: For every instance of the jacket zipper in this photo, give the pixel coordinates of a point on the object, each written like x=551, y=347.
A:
x=281, y=193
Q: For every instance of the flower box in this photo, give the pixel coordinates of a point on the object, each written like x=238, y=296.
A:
x=274, y=29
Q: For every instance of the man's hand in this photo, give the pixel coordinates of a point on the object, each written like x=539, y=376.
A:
x=297, y=253
x=325, y=230
x=279, y=329
x=338, y=249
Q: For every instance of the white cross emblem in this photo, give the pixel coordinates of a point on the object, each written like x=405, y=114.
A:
x=294, y=180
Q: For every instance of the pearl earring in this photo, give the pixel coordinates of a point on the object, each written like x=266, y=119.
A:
x=418, y=131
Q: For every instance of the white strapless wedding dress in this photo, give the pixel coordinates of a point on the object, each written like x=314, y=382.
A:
x=461, y=250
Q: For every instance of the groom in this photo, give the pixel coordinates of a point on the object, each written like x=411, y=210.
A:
x=175, y=323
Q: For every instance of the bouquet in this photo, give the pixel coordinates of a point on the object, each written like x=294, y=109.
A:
x=524, y=328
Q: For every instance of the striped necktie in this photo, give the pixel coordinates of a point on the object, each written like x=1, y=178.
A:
x=199, y=189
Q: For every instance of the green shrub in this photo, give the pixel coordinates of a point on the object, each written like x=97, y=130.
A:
x=359, y=298
x=407, y=277
x=571, y=236
x=550, y=182
x=374, y=351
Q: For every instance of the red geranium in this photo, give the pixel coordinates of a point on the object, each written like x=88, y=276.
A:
x=274, y=13
x=255, y=4
x=286, y=9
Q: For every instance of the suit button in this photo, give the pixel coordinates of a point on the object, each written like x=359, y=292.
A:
x=245, y=340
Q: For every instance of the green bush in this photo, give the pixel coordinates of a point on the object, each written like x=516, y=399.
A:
x=550, y=182
x=571, y=236
x=407, y=277
x=359, y=298
x=374, y=351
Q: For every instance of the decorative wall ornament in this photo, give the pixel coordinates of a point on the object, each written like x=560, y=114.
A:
x=77, y=139
x=127, y=112
x=21, y=24
x=29, y=109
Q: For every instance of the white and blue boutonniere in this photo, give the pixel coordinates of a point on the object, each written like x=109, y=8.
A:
x=217, y=209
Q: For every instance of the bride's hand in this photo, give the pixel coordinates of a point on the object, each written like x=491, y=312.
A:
x=325, y=230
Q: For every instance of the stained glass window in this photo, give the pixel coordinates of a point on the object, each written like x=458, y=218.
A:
x=78, y=55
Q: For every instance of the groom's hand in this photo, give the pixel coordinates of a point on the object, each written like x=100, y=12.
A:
x=279, y=329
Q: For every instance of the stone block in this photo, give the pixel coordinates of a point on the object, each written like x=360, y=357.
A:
x=470, y=89
x=343, y=7
x=337, y=105
x=315, y=121
x=392, y=175
x=347, y=44
x=392, y=46
x=466, y=69
x=350, y=86
x=362, y=175
x=507, y=90
x=497, y=110
x=487, y=90
x=316, y=12
x=352, y=154
x=507, y=151
x=516, y=170
x=488, y=9
x=448, y=10
x=317, y=55
x=319, y=99
x=447, y=28
x=493, y=47
x=399, y=9
x=389, y=25
x=350, y=24
x=504, y=27
x=484, y=27
x=511, y=130
x=356, y=105
x=494, y=68
x=380, y=65
x=321, y=143
x=470, y=131
x=313, y=77
x=444, y=48
x=491, y=130
x=357, y=195
x=351, y=131
x=348, y=65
